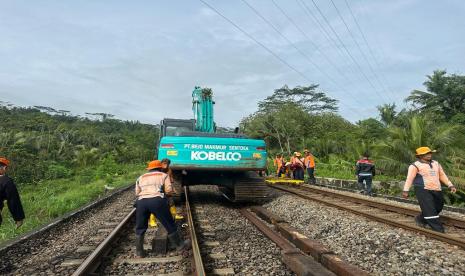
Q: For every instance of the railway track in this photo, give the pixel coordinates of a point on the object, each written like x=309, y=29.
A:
x=224, y=236
x=214, y=246
x=298, y=253
x=394, y=215
x=115, y=254
x=44, y=250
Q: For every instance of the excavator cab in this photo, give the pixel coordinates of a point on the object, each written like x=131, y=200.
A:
x=176, y=127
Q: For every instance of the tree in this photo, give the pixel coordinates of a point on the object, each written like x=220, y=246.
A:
x=283, y=126
x=397, y=150
x=444, y=95
x=388, y=113
x=371, y=129
x=305, y=97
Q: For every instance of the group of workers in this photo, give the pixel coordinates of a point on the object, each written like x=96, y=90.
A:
x=296, y=166
x=425, y=175
x=154, y=189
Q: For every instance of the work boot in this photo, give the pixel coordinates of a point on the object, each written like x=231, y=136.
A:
x=174, y=214
x=419, y=221
x=140, y=246
x=176, y=242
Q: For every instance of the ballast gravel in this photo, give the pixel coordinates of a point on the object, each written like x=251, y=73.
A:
x=44, y=255
x=247, y=250
x=375, y=247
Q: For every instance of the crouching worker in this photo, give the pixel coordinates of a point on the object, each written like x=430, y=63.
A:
x=9, y=193
x=150, y=191
x=426, y=175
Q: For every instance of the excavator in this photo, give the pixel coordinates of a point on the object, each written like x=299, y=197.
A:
x=201, y=156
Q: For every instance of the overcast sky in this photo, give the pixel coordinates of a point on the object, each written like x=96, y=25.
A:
x=140, y=60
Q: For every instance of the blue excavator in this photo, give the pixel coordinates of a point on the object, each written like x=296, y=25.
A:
x=201, y=155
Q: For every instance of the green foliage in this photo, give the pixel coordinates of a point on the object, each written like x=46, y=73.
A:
x=371, y=129
x=444, y=95
x=307, y=98
x=290, y=127
x=61, y=162
x=388, y=113
x=49, y=199
x=56, y=171
x=397, y=150
x=288, y=124
x=45, y=146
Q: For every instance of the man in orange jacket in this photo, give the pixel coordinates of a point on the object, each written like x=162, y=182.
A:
x=310, y=165
x=279, y=163
x=426, y=175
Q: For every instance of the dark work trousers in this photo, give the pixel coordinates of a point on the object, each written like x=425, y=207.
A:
x=431, y=204
x=311, y=175
x=299, y=173
x=157, y=206
x=367, y=185
x=280, y=171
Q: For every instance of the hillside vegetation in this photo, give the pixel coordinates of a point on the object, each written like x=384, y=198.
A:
x=292, y=119
x=60, y=161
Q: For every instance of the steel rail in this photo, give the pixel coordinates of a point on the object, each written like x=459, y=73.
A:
x=433, y=234
x=93, y=260
x=297, y=261
x=39, y=233
x=198, y=262
x=385, y=206
x=283, y=243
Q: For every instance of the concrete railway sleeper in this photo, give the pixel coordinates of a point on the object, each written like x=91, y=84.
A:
x=301, y=254
x=382, y=212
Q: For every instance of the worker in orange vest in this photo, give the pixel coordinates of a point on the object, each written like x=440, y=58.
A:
x=151, y=190
x=427, y=177
x=279, y=163
x=310, y=166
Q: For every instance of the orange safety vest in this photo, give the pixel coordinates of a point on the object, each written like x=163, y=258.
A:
x=310, y=161
x=278, y=162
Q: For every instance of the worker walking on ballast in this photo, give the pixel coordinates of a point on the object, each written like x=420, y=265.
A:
x=365, y=172
x=150, y=191
x=426, y=175
x=9, y=193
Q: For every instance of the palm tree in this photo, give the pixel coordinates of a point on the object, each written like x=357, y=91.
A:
x=397, y=151
x=388, y=113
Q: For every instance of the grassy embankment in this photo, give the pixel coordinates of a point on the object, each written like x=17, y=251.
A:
x=50, y=199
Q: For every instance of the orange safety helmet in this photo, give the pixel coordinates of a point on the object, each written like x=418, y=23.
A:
x=4, y=161
x=154, y=164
